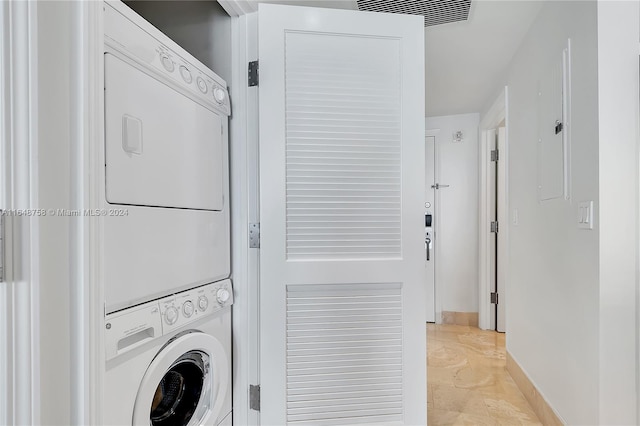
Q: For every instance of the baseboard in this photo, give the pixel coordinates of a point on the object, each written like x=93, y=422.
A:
x=460, y=318
x=540, y=406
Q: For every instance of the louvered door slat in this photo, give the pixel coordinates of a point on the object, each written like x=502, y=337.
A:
x=344, y=349
x=332, y=157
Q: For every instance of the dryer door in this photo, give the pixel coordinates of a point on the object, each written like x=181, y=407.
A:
x=185, y=384
x=163, y=149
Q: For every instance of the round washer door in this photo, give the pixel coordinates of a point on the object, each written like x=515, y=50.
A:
x=185, y=384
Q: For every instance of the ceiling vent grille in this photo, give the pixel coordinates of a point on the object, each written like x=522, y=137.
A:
x=435, y=12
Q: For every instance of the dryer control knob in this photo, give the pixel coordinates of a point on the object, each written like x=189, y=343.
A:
x=167, y=63
x=202, y=85
x=203, y=302
x=171, y=315
x=186, y=74
x=188, y=308
x=223, y=295
x=219, y=95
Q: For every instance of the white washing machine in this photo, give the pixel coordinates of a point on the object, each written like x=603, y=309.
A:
x=165, y=185
x=169, y=361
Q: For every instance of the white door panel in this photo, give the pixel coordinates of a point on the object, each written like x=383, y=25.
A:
x=152, y=158
x=342, y=276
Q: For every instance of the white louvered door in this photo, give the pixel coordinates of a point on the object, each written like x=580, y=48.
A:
x=342, y=329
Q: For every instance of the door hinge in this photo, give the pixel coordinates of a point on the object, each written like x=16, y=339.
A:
x=253, y=73
x=495, y=155
x=494, y=298
x=254, y=235
x=254, y=397
x=494, y=227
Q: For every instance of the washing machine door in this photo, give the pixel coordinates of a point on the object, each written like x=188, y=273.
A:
x=185, y=384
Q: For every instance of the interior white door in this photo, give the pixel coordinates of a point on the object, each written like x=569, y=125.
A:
x=342, y=272
x=429, y=225
x=502, y=217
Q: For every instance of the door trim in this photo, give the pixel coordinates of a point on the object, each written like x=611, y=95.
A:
x=491, y=120
x=244, y=171
x=239, y=7
x=436, y=229
x=19, y=296
x=85, y=253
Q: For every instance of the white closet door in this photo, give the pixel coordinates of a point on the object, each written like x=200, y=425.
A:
x=342, y=272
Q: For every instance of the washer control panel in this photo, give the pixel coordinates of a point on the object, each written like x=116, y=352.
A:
x=183, y=308
x=130, y=328
x=133, y=327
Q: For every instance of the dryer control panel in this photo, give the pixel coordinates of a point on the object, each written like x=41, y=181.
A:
x=133, y=327
x=155, y=51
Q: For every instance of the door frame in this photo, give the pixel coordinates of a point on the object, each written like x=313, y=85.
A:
x=86, y=278
x=436, y=229
x=88, y=349
x=20, y=332
x=244, y=181
x=86, y=286
x=19, y=296
x=491, y=120
x=88, y=318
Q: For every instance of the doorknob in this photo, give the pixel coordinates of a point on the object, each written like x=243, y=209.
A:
x=438, y=186
x=427, y=244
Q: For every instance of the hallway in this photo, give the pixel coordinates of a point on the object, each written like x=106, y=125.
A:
x=467, y=380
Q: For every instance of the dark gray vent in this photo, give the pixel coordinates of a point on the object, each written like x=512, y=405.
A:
x=435, y=12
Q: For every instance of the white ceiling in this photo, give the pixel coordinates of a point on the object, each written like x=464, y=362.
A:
x=465, y=61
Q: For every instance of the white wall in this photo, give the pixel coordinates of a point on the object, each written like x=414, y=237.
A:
x=571, y=292
x=552, y=311
x=457, y=231
x=54, y=21
x=618, y=27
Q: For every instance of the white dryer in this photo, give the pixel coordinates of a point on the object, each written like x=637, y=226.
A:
x=165, y=188
x=169, y=361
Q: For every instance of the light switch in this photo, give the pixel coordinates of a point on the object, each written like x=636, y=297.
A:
x=514, y=217
x=585, y=215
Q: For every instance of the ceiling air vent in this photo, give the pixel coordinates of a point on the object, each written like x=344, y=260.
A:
x=435, y=12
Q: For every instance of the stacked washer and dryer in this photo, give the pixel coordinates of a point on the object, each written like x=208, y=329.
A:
x=166, y=249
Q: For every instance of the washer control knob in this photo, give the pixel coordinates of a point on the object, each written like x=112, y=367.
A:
x=187, y=308
x=203, y=302
x=167, y=63
x=186, y=74
x=219, y=95
x=202, y=85
x=171, y=315
x=223, y=295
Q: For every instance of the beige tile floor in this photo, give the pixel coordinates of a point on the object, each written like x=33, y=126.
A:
x=467, y=381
